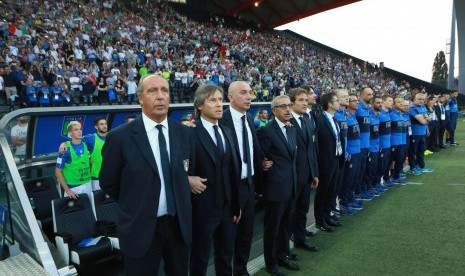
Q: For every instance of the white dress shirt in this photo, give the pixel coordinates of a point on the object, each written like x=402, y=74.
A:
x=209, y=127
x=152, y=134
x=237, y=121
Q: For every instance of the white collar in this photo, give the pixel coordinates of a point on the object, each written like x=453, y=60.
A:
x=149, y=124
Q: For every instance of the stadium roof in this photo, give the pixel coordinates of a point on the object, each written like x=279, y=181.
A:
x=269, y=13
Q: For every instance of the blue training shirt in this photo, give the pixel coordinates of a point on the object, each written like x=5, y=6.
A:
x=453, y=107
x=407, y=129
x=363, y=117
x=384, y=129
x=353, y=135
x=417, y=127
x=397, y=127
x=374, y=132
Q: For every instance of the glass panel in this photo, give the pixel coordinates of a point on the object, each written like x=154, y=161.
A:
x=9, y=198
x=17, y=136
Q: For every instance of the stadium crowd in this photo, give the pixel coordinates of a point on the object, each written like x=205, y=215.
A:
x=349, y=151
x=75, y=45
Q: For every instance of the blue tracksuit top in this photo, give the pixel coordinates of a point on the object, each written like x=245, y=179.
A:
x=384, y=129
x=397, y=127
x=353, y=135
x=417, y=128
x=363, y=117
x=374, y=132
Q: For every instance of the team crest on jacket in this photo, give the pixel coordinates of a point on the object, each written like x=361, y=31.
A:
x=186, y=164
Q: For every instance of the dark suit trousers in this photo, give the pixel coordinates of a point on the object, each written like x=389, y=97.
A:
x=372, y=169
x=168, y=244
x=324, y=192
x=276, y=232
x=300, y=210
x=244, y=230
x=433, y=127
x=219, y=228
x=442, y=130
x=338, y=187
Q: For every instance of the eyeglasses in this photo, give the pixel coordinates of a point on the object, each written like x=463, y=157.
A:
x=284, y=106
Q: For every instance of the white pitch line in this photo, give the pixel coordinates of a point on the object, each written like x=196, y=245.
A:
x=415, y=183
x=456, y=184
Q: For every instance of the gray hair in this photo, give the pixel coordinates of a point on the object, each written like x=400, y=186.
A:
x=140, y=85
x=274, y=102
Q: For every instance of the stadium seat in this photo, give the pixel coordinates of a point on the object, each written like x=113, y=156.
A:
x=106, y=211
x=75, y=226
x=41, y=191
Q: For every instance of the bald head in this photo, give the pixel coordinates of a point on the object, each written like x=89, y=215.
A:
x=240, y=96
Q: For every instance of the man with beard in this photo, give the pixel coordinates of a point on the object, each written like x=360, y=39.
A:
x=94, y=144
x=373, y=159
x=363, y=117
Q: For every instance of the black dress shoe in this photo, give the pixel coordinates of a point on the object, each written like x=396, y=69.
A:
x=292, y=256
x=324, y=228
x=332, y=222
x=275, y=271
x=288, y=264
x=309, y=233
x=307, y=246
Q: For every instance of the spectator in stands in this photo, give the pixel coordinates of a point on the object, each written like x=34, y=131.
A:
x=131, y=84
x=29, y=97
x=44, y=94
x=2, y=85
x=73, y=166
x=102, y=88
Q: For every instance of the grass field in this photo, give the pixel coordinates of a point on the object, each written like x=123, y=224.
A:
x=417, y=229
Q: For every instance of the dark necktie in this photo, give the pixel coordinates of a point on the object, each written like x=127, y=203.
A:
x=165, y=165
x=304, y=128
x=219, y=141
x=246, y=149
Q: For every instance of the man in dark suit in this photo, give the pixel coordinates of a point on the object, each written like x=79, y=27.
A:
x=306, y=166
x=215, y=199
x=440, y=110
x=240, y=122
x=279, y=146
x=144, y=169
x=330, y=159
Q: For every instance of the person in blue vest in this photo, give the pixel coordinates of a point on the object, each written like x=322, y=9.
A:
x=398, y=138
x=347, y=202
x=44, y=94
x=419, y=120
x=373, y=159
x=385, y=139
x=454, y=112
x=363, y=117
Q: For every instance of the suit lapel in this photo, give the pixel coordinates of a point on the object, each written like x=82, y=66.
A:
x=280, y=134
x=206, y=140
x=299, y=130
x=142, y=141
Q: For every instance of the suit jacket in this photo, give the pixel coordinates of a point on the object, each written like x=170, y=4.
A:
x=307, y=158
x=227, y=121
x=327, y=146
x=222, y=172
x=280, y=180
x=129, y=174
x=437, y=110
